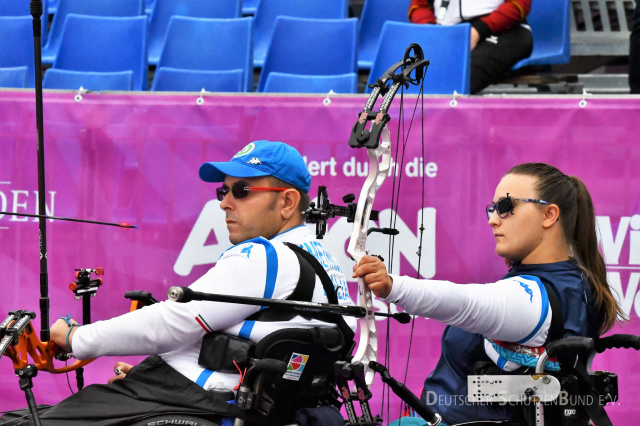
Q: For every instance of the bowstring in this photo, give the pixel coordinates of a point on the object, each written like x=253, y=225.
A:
x=421, y=229
x=395, y=201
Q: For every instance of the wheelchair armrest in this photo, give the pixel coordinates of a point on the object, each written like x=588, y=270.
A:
x=626, y=341
x=249, y=395
x=139, y=295
x=570, y=347
x=267, y=364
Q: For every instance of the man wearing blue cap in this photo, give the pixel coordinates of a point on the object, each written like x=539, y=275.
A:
x=263, y=195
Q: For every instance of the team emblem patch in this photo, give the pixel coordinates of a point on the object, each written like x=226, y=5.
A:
x=244, y=151
x=296, y=366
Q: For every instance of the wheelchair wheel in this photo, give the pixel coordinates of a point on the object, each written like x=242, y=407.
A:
x=175, y=419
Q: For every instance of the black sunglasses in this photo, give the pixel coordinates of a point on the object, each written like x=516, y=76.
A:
x=504, y=206
x=240, y=190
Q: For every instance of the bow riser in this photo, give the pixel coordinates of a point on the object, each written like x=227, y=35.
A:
x=41, y=353
x=379, y=166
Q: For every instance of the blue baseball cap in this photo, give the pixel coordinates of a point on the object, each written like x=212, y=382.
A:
x=262, y=158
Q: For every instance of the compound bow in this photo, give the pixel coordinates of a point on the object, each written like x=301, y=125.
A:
x=377, y=142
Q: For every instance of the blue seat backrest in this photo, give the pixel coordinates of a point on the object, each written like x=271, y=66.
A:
x=95, y=81
x=85, y=7
x=184, y=80
x=22, y=8
x=446, y=47
x=105, y=44
x=249, y=7
x=311, y=47
x=16, y=44
x=550, y=28
x=163, y=10
x=269, y=10
x=374, y=14
x=53, y=7
x=14, y=77
x=278, y=82
x=210, y=45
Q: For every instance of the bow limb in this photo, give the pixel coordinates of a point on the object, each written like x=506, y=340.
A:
x=379, y=166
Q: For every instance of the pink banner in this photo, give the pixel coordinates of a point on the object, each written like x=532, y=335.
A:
x=135, y=158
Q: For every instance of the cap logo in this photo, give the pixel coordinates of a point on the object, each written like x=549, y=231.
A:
x=254, y=160
x=244, y=151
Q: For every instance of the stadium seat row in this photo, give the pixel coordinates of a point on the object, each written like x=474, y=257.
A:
x=298, y=45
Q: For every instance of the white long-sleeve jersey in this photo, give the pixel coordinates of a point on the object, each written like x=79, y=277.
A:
x=514, y=310
x=256, y=268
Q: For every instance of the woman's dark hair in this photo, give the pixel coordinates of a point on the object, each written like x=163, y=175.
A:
x=579, y=224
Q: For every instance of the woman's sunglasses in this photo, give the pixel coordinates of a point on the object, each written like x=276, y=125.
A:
x=504, y=206
x=240, y=190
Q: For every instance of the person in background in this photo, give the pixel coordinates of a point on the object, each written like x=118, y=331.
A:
x=500, y=35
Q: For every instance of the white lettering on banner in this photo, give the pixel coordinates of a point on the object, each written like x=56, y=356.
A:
x=611, y=247
x=352, y=168
x=195, y=251
x=212, y=220
x=18, y=201
x=406, y=243
x=17, y=204
x=619, y=267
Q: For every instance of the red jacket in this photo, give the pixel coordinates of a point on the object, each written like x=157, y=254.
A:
x=509, y=14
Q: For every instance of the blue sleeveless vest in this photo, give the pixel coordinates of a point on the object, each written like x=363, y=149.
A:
x=445, y=390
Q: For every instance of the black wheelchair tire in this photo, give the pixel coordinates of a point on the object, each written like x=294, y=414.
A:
x=174, y=419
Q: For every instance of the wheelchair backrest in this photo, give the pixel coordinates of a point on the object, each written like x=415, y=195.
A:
x=309, y=355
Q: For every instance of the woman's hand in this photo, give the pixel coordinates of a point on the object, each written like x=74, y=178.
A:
x=374, y=273
x=121, y=369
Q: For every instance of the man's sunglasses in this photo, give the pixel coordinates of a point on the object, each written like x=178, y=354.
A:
x=240, y=190
x=504, y=206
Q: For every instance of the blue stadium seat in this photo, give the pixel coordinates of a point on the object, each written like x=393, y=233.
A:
x=22, y=8
x=249, y=7
x=185, y=80
x=311, y=47
x=53, y=7
x=105, y=44
x=374, y=14
x=210, y=45
x=163, y=10
x=447, y=47
x=16, y=44
x=89, y=80
x=269, y=10
x=14, y=77
x=85, y=7
x=549, y=20
x=278, y=82
x=148, y=6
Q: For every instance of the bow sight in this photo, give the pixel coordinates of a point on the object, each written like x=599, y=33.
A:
x=326, y=210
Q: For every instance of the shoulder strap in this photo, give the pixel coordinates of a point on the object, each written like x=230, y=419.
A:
x=309, y=268
x=303, y=293
x=556, y=328
x=319, y=271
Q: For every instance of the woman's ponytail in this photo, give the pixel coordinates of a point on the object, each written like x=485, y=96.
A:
x=584, y=242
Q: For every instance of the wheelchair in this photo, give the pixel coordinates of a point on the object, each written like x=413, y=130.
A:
x=290, y=369
x=574, y=396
